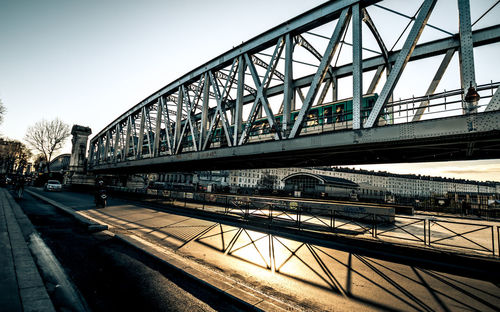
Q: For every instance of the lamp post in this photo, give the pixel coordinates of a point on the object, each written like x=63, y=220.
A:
x=471, y=100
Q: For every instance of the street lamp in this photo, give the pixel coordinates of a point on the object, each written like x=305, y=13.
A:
x=471, y=99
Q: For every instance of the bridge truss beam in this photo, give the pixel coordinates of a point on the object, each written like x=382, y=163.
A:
x=206, y=110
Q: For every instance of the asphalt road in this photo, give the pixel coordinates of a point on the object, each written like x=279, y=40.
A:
x=112, y=276
x=311, y=276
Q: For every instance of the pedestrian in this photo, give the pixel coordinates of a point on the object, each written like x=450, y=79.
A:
x=20, y=187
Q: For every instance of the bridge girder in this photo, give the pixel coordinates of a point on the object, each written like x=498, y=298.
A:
x=179, y=122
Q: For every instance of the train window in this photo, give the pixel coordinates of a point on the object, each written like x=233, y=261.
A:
x=265, y=127
x=312, y=118
x=371, y=102
x=327, y=115
x=339, y=113
x=257, y=128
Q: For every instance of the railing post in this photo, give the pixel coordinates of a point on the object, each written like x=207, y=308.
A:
x=425, y=232
x=333, y=220
x=493, y=239
x=299, y=210
x=373, y=225
x=498, y=237
x=429, y=233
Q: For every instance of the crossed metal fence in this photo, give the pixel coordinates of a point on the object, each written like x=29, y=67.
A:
x=443, y=234
x=464, y=232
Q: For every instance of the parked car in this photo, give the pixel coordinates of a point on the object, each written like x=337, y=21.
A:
x=53, y=185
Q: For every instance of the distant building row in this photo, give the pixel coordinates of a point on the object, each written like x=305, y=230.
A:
x=397, y=184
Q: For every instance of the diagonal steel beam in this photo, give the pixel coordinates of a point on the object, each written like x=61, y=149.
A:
x=117, y=141
x=141, y=132
x=150, y=130
x=107, y=146
x=159, y=113
x=401, y=60
x=376, y=79
x=129, y=139
x=178, y=117
x=188, y=121
x=301, y=41
x=169, y=135
x=494, y=102
x=238, y=118
x=371, y=25
x=321, y=72
x=204, y=112
x=435, y=82
x=221, y=99
x=261, y=99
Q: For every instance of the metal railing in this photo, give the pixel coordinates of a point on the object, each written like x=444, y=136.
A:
x=394, y=230
x=464, y=232
x=431, y=233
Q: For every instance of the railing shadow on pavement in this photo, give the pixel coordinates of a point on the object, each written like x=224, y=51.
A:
x=322, y=266
x=402, y=229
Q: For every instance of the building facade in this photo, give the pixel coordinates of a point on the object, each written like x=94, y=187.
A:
x=402, y=185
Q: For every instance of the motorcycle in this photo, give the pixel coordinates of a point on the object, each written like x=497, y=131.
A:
x=101, y=199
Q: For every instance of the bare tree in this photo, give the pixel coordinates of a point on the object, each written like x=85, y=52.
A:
x=14, y=156
x=47, y=137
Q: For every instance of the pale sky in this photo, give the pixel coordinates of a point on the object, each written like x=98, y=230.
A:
x=87, y=62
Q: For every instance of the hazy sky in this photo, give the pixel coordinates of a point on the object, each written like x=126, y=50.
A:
x=89, y=61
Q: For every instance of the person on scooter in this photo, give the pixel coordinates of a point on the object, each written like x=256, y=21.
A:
x=99, y=190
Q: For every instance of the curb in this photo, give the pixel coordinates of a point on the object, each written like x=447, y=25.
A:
x=92, y=225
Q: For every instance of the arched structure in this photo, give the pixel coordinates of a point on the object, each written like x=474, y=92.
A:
x=315, y=184
x=273, y=101
x=60, y=163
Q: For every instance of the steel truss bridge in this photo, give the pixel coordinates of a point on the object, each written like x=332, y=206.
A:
x=278, y=100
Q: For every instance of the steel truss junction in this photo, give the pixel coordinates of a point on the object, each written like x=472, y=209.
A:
x=264, y=103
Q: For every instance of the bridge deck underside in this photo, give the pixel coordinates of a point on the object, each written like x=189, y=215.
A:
x=454, y=138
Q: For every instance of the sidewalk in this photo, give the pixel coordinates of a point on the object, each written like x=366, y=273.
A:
x=21, y=287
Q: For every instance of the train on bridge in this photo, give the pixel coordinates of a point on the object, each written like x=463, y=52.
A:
x=332, y=116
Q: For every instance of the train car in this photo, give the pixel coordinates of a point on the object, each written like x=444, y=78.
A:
x=326, y=117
